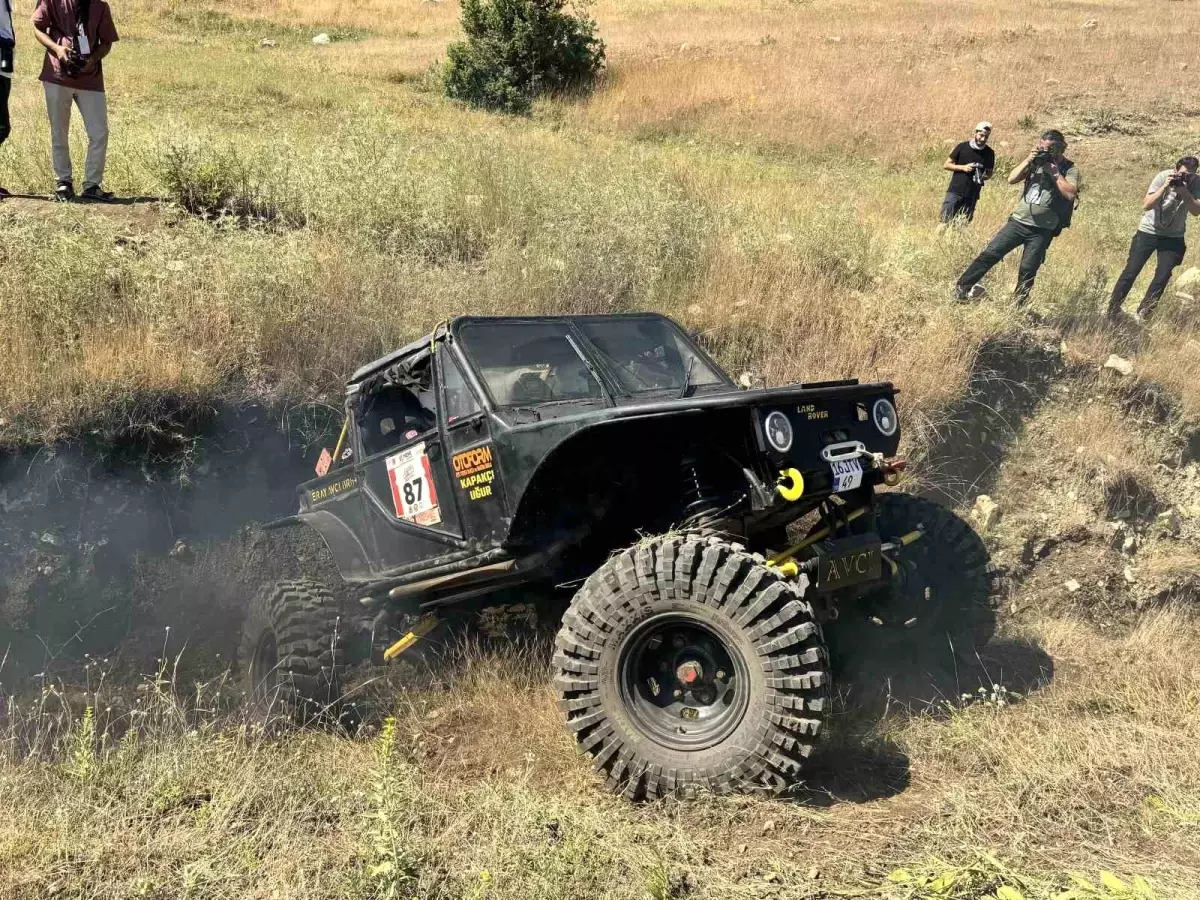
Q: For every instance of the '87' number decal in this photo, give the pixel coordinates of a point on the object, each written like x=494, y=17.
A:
x=413, y=491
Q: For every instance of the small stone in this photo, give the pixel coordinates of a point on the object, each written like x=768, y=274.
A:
x=266, y=42
x=1129, y=545
x=986, y=512
x=771, y=877
x=814, y=873
x=1170, y=522
x=181, y=551
x=1090, y=25
x=1072, y=585
x=322, y=39
x=49, y=537
x=1188, y=280
x=768, y=826
x=1119, y=364
x=1129, y=576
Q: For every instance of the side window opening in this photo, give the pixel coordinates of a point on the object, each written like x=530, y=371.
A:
x=460, y=401
x=392, y=413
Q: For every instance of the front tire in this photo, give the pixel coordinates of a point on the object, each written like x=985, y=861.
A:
x=684, y=663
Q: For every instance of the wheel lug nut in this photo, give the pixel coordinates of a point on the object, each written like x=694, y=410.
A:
x=678, y=694
x=720, y=676
x=678, y=642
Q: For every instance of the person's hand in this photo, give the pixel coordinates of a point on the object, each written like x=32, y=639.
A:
x=91, y=67
x=62, y=52
x=1052, y=169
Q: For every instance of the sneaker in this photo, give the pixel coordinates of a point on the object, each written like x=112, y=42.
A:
x=65, y=192
x=96, y=194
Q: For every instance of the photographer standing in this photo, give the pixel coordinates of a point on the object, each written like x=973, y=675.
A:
x=77, y=35
x=972, y=163
x=1051, y=184
x=8, y=47
x=1169, y=199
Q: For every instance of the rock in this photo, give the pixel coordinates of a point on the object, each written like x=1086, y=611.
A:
x=1170, y=522
x=322, y=39
x=814, y=873
x=768, y=826
x=1090, y=25
x=1119, y=364
x=986, y=512
x=1188, y=280
x=1129, y=576
x=1072, y=585
x=50, y=539
x=181, y=551
x=1129, y=545
x=266, y=42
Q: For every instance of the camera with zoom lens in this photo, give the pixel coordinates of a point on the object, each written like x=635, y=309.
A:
x=1043, y=157
x=75, y=62
x=1181, y=179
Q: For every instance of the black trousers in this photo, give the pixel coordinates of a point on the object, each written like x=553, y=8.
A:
x=1014, y=234
x=1170, y=252
x=959, y=205
x=5, y=124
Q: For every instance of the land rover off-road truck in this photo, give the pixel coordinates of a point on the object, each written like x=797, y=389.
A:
x=612, y=452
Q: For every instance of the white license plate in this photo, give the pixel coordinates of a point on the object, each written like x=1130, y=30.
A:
x=847, y=475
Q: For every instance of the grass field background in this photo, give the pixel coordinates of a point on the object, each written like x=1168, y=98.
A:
x=767, y=172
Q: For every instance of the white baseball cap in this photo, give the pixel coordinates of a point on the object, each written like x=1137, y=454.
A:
x=984, y=126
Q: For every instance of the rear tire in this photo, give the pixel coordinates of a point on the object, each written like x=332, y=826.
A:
x=293, y=652
x=752, y=694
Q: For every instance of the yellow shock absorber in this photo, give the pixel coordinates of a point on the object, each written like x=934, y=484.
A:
x=337, y=451
x=791, y=485
x=419, y=631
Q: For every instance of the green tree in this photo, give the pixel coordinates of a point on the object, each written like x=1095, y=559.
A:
x=517, y=50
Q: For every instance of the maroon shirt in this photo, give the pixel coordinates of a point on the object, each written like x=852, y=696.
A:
x=59, y=18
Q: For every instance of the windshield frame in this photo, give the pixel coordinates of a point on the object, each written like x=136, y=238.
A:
x=613, y=389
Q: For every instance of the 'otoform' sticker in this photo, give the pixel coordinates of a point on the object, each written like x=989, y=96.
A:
x=474, y=471
x=413, y=491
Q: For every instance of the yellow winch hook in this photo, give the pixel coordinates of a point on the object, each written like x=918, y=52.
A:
x=790, y=485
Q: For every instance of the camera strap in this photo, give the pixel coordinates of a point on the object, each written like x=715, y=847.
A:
x=83, y=43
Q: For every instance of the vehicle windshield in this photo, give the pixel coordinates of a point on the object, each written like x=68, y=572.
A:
x=528, y=363
x=648, y=354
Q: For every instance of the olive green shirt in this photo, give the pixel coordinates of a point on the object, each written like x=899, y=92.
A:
x=1036, y=206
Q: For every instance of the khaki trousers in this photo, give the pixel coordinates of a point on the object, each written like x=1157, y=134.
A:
x=94, y=110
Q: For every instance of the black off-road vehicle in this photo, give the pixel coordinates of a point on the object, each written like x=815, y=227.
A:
x=613, y=452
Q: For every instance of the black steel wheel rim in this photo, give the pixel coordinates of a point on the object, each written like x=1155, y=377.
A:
x=682, y=684
x=264, y=665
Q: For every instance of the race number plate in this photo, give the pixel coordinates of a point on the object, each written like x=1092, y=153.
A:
x=413, y=491
x=847, y=474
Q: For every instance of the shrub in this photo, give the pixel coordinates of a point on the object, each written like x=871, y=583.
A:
x=517, y=50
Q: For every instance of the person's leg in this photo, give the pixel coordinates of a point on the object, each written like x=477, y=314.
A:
x=1034, y=254
x=1170, y=255
x=5, y=122
x=1004, y=242
x=58, y=108
x=93, y=106
x=949, y=207
x=1140, y=249
x=966, y=209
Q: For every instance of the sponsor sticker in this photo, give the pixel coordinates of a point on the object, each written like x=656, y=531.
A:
x=474, y=471
x=413, y=491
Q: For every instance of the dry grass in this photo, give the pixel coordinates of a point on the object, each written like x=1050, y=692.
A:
x=477, y=792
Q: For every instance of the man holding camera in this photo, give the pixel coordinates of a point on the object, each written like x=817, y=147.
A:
x=972, y=163
x=77, y=35
x=1169, y=199
x=1051, y=185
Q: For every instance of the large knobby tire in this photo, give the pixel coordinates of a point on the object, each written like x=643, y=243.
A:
x=941, y=598
x=293, y=652
x=700, y=616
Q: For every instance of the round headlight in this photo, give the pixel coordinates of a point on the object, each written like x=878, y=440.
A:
x=885, y=417
x=779, y=431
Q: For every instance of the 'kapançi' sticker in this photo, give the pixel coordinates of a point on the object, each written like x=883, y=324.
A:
x=413, y=491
